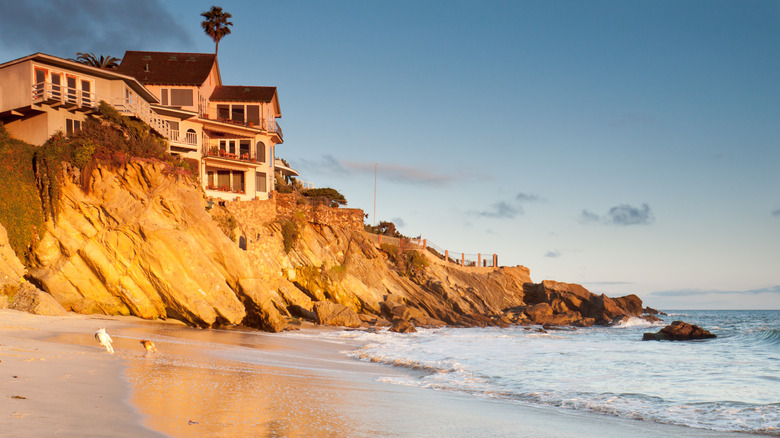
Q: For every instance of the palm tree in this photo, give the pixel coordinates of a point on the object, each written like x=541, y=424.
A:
x=102, y=62
x=216, y=24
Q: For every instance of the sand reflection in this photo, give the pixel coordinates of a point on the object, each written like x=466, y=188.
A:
x=188, y=388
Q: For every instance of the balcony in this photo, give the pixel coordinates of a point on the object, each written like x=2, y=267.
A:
x=271, y=126
x=245, y=157
x=56, y=96
x=60, y=96
x=189, y=139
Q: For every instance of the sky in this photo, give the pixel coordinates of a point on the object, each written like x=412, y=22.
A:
x=628, y=146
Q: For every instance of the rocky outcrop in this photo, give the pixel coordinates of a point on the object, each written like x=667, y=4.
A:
x=15, y=292
x=679, y=331
x=141, y=241
x=572, y=304
x=329, y=313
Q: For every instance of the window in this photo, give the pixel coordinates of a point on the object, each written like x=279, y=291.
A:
x=260, y=182
x=243, y=148
x=181, y=97
x=223, y=112
x=210, y=179
x=40, y=82
x=72, y=126
x=56, y=86
x=164, y=96
x=71, y=81
x=237, y=113
x=261, y=152
x=86, y=92
x=238, y=182
x=223, y=179
x=253, y=114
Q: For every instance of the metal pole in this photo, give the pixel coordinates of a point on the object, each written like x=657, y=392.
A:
x=375, y=164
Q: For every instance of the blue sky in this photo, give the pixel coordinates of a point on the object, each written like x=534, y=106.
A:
x=629, y=146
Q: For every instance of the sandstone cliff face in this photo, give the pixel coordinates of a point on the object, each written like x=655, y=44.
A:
x=142, y=242
x=15, y=292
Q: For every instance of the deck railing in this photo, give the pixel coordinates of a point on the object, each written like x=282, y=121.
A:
x=56, y=94
x=484, y=260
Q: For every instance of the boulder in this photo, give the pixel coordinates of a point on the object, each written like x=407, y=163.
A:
x=679, y=331
x=301, y=312
x=539, y=313
x=30, y=299
x=401, y=326
x=335, y=314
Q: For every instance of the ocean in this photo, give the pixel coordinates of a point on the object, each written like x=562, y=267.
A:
x=730, y=383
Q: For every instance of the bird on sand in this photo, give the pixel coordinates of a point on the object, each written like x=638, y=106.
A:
x=104, y=339
x=149, y=345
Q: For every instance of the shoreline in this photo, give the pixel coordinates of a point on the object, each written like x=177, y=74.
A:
x=243, y=383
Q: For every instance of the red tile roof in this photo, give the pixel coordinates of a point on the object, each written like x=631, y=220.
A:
x=167, y=68
x=239, y=93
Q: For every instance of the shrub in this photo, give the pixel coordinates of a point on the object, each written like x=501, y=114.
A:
x=385, y=228
x=290, y=235
x=326, y=195
x=21, y=211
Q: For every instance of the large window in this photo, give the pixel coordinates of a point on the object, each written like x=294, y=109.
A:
x=261, y=152
x=260, y=182
x=243, y=149
x=181, y=97
x=178, y=97
x=223, y=179
x=56, y=85
x=72, y=126
x=239, y=113
x=253, y=114
x=238, y=182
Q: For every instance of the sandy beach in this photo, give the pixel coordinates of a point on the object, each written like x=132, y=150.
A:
x=55, y=380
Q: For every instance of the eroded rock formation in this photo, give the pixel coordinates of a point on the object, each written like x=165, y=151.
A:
x=141, y=241
x=679, y=331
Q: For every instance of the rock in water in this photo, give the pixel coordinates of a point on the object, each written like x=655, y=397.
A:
x=679, y=331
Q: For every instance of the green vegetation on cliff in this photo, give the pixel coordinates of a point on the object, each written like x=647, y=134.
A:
x=31, y=176
x=20, y=209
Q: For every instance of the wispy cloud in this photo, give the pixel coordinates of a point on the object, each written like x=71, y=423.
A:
x=699, y=292
x=399, y=222
x=620, y=215
x=105, y=27
x=501, y=210
x=553, y=254
x=776, y=213
x=384, y=171
x=508, y=209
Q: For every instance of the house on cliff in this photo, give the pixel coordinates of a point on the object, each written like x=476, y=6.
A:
x=229, y=133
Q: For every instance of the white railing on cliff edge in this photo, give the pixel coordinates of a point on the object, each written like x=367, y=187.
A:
x=485, y=260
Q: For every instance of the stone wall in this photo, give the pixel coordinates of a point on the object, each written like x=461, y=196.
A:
x=253, y=214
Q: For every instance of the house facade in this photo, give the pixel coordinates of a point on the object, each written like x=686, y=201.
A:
x=229, y=133
x=42, y=94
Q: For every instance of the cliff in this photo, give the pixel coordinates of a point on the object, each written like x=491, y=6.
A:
x=142, y=241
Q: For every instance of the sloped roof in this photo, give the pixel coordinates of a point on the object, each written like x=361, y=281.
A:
x=167, y=68
x=239, y=93
x=111, y=74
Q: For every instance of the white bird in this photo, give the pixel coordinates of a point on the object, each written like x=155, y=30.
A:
x=104, y=339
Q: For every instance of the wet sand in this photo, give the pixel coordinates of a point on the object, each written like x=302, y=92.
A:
x=229, y=383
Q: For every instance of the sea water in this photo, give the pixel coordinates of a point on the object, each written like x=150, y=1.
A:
x=730, y=383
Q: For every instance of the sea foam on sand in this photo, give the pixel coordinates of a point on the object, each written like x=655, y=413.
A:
x=56, y=380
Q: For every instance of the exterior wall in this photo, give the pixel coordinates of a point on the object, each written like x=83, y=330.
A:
x=16, y=86
x=33, y=130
